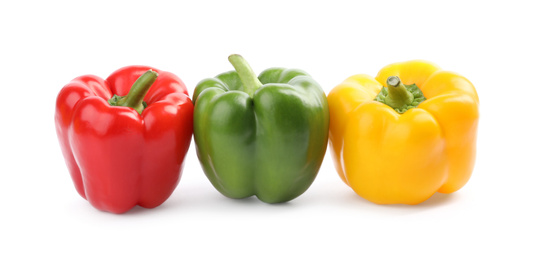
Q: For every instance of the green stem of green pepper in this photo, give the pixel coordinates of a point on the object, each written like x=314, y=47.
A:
x=398, y=95
x=139, y=89
x=248, y=77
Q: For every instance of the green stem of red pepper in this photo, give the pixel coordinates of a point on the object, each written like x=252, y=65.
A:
x=139, y=89
x=245, y=72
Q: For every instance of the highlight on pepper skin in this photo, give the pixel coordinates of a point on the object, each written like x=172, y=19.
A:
x=407, y=133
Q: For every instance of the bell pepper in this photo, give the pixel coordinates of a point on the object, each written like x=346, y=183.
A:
x=124, y=139
x=407, y=133
x=263, y=136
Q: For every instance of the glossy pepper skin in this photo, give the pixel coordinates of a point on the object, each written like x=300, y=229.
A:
x=389, y=158
x=264, y=136
x=117, y=157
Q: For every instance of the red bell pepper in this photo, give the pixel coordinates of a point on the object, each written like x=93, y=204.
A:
x=124, y=151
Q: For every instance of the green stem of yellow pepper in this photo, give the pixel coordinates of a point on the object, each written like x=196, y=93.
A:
x=398, y=95
x=245, y=72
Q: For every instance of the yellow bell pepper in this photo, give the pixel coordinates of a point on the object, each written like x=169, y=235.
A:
x=391, y=144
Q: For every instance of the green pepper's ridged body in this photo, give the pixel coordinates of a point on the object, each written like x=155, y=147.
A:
x=271, y=144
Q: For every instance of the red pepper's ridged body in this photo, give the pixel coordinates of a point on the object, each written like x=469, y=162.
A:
x=118, y=158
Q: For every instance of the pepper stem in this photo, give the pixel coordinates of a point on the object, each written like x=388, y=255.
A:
x=139, y=89
x=398, y=95
x=245, y=72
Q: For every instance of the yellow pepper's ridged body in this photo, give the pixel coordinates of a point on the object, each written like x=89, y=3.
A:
x=391, y=158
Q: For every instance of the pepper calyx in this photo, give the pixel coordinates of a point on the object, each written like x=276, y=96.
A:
x=399, y=96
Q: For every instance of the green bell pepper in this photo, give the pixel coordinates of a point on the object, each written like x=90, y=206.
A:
x=262, y=136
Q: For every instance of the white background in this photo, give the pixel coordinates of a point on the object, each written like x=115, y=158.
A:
x=45, y=44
